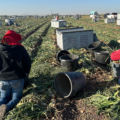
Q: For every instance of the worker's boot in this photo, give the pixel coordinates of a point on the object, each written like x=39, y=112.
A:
x=3, y=109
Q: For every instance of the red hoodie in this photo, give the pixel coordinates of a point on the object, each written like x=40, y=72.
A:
x=12, y=38
x=115, y=55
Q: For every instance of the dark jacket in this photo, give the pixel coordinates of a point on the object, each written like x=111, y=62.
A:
x=14, y=62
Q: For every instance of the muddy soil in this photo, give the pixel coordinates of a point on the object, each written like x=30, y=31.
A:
x=79, y=107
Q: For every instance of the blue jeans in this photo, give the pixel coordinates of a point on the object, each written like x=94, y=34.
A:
x=11, y=92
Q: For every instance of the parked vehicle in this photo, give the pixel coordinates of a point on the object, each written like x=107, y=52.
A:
x=93, y=13
x=105, y=15
x=112, y=15
x=9, y=22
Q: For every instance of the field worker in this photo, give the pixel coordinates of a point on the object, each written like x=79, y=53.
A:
x=15, y=63
x=9, y=23
x=94, y=17
x=115, y=56
x=56, y=18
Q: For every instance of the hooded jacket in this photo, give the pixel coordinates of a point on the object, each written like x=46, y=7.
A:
x=14, y=62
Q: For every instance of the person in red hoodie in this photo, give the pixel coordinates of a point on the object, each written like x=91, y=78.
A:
x=115, y=57
x=15, y=63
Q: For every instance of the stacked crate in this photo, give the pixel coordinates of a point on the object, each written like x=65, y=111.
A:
x=74, y=38
x=58, y=23
x=109, y=20
x=118, y=19
x=76, y=17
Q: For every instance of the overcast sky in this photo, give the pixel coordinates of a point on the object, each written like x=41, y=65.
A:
x=44, y=7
